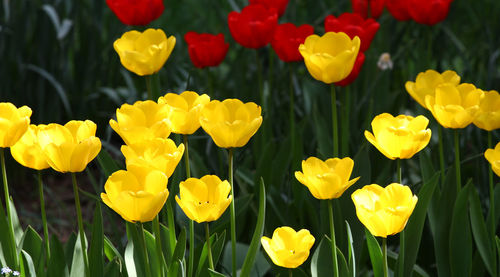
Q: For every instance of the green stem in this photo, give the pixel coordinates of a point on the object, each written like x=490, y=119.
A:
x=492, y=191
x=210, y=81
x=345, y=122
x=44, y=217
x=209, y=249
x=259, y=80
x=186, y=156
x=334, y=244
x=334, y=122
x=233, y=215
x=80, y=224
x=148, y=87
x=143, y=246
x=156, y=230
x=7, y=207
x=384, y=253
x=290, y=272
x=399, y=171
x=292, y=114
x=191, y=222
x=457, y=160
x=401, y=258
x=441, y=154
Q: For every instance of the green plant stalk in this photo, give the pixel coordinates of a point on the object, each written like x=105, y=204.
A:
x=344, y=143
x=143, y=246
x=492, y=190
x=441, y=154
x=191, y=222
x=384, y=254
x=334, y=122
x=457, y=160
x=400, y=179
x=233, y=215
x=334, y=244
x=159, y=251
x=260, y=81
x=44, y=216
x=292, y=114
x=7, y=207
x=80, y=224
x=209, y=249
x=148, y=87
x=290, y=272
x=401, y=258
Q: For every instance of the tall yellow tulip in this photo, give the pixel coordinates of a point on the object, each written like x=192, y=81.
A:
x=14, y=123
x=27, y=150
x=488, y=117
x=493, y=157
x=427, y=82
x=288, y=248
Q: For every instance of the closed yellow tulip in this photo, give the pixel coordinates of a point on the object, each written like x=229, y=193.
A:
x=161, y=154
x=488, y=117
x=205, y=199
x=144, y=120
x=427, y=82
x=330, y=58
x=144, y=53
x=230, y=123
x=399, y=137
x=493, y=157
x=136, y=194
x=288, y=248
x=14, y=123
x=455, y=106
x=28, y=152
x=71, y=147
x=384, y=211
x=184, y=110
x=328, y=179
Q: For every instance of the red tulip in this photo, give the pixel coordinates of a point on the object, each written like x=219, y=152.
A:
x=361, y=7
x=428, y=12
x=360, y=59
x=398, y=9
x=136, y=12
x=353, y=25
x=206, y=49
x=287, y=38
x=254, y=26
x=278, y=5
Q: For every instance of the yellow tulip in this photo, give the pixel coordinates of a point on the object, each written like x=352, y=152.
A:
x=230, y=123
x=328, y=179
x=427, y=82
x=136, y=194
x=455, y=106
x=14, y=123
x=160, y=154
x=288, y=248
x=184, y=110
x=384, y=211
x=493, y=157
x=399, y=137
x=205, y=199
x=330, y=58
x=144, y=53
x=144, y=120
x=488, y=117
x=28, y=152
x=71, y=147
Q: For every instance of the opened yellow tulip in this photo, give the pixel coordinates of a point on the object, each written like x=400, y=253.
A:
x=144, y=53
x=384, y=211
x=488, y=117
x=205, y=199
x=230, y=123
x=160, y=154
x=288, y=248
x=493, y=157
x=71, y=147
x=184, y=110
x=330, y=58
x=455, y=106
x=399, y=137
x=427, y=82
x=136, y=194
x=14, y=123
x=328, y=179
x=28, y=152
x=144, y=120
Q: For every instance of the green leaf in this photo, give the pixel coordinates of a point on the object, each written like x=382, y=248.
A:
x=351, y=256
x=108, y=165
x=484, y=243
x=460, y=240
x=32, y=243
x=77, y=265
x=343, y=268
x=257, y=235
x=18, y=230
x=57, y=263
x=165, y=241
x=180, y=247
x=153, y=257
x=415, y=226
x=113, y=268
x=375, y=254
x=27, y=265
x=217, y=244
x=96, y=255
x=214, y=273
x=260, y=267
x=134, y=259
x=321, y=262
x=110, y=250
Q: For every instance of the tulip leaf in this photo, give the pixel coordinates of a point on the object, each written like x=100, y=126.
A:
x=57, y=263
x=112, y=269
x=18, y=230
x=375, y=254
x=343, y=268
x=484, y=243
x=351, y=256
x=27, y=265
x=392, y=260
x=77, y=265
x=257, y=235
x=152, y=255
x=110, y=250
x=134, y=259
x=129, y=260
x=460, y=241
x=180, y=247
x=214, y=273
x=415, y=225
x=164, y=232
x=260, y=267
x=107, y=164
x=32, y=243
x=96, y=253
x=322, y=259
x=217, y=244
